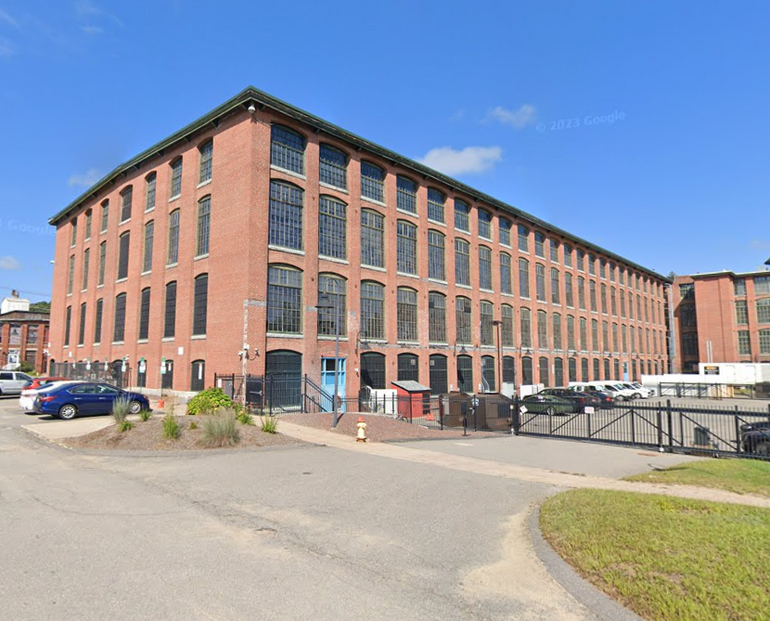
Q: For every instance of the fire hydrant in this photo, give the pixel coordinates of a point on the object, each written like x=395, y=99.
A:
x=361, y=436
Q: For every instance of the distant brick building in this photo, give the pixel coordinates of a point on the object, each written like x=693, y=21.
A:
x=721, y=317
x=23, y=334
x=255, y=223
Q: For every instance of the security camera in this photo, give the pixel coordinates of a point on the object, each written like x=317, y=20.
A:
x=252, y=109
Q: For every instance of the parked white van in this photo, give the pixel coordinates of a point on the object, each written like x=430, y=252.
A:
x=639, y=391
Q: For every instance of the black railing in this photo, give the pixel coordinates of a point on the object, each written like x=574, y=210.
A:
x=274, y=394
x=114, y=373
x=663, y=426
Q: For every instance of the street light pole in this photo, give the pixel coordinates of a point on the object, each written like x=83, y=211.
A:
x=325, y=302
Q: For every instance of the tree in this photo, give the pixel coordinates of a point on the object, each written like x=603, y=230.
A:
x=40, y=307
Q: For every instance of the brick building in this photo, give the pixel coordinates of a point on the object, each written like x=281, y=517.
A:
x=23, y=334
x=721, y=317
x=228, y=233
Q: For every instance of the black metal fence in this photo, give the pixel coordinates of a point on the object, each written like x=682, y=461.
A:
x=115, y=373
x=274, y=394
x=664, y=426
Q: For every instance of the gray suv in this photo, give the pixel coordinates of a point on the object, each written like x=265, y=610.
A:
x=13, y=382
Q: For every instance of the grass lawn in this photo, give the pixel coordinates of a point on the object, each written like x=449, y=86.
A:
x=667, y=559
x=744, y=476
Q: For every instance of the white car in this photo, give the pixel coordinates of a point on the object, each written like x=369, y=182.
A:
x=28, y=396
x=13, y=382
x=637, y=390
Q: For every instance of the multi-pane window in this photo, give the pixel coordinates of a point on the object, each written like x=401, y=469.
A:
x=631, y=336
x=332, y=303
x=583, y=333
x=102, y=262
x=206, y=156
x=485, y=224
x=287, y=149
x=571, y=332
x=744, y=343
x=539, y=244
x=436, y=268
x=144, y=314
x=462, y=262
x=173, y=238
x=603, y=291
x=580, y=259
x=764, y=341
x=169, y=316
x=465, y=374
x=630, y=305
x=595, y=335
x=463, y=320
x=523, y=238
x=526, y=328
x=612, y=272
x=119, y=326
x=602, y=268
x=285, y=219
x=622, y=303
x=150, y=182
x=523, y=278
x=98, y=321
x=406, y=303
x=592, y=294
x=82, y=329
x=284, y=300
x=200, y=304
x=526, y=370
x=581, y=293
x=687, y=291
x=605, y=336
x=435, y=205
x=126, y=197
x=542, y=329
x=740, y=286
x=763, y=310
x=105, y=216
x=505, y=231
x=73, y=232
x=406, y=194
x=555, y=286
x=613, y=302
x=89, y=220
x=506, y=283
x=372, y=240
x=567, y=255
x=333, y=167
x=408, y=369
x=542, y=369
x=176, y=178
x=462, y=215
x=689, y=344
x=688, y=319
x=372, y=182
x=86, y=265
x=540, y=282
x=506, y=325
x=332, y=228
x=569, y=299
x=615, y=337
x=406, y=247
x=557, y=338
x=761, y=284
x=149, y=234
x=485, y=268
x=204, y=226
x=621, y=276
x=372, y=310
x=488, y=373
x=554, y=249
x=591, y=265
x=67, y=326
x=436, y=317
x=485, y=313
x=624, y=338
x=123, y=247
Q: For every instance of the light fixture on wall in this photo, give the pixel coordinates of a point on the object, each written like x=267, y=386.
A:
x=244, y=353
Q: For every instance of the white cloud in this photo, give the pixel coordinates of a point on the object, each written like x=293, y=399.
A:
x=92, y=30
x=468, y=160
x=5, y=17
x=7, y=49
x=87, y=180
x=518, y=119
x=9, y=263
x=85, y=8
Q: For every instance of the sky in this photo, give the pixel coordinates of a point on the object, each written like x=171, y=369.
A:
x=643, y=127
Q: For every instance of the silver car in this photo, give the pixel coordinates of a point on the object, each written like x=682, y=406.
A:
x=13, y=382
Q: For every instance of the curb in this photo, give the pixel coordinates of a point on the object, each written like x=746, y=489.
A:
x=602, y=606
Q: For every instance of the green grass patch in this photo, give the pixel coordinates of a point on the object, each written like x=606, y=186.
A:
x=171, y=428
x=743, y=476
x=220, y=429
x=667, y=559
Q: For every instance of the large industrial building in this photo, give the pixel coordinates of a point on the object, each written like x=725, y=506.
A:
x=247, y=241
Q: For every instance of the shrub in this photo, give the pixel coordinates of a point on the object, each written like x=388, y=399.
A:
x=269, y=423
x=208, y=400
x=244, y=416
x=125, y=425
x=220, y=429
x=120, y=409
x=171, y=429
x=144, y=415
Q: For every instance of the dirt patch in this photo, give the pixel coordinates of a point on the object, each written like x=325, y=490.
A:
x=148, y=436
x=379, y=428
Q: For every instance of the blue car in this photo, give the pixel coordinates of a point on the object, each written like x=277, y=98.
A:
x=82, y=399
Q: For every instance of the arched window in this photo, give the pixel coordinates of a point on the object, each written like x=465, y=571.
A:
x=372, y=310
x=284, y=299
x=438, y=374
x=542, y=329
x=332, y=303
x=485, y=224
x=176, y=178
x=283, y=371
x=436, y=267
x=488, y=374
x=505, y=231
x=407, y=314
x=486, y=311
x=173, y=238
x=285, y=221
x=406, y=194
x=506, y=325
x=436, y=202
x=509, y=370
x=572, y=363
x=437, y=317
x=485, y=268
x=465, y=374
x=526, y=370
x=462, y=262
x=197, y=375
x=406, y=247
x=462, y=216
x=200, y=304
x=149, y=237
x=204, y=227
x=408, y=368
x=333, y=166
x=372, y=182
x=558, y=372
x=144, y=314
x=332, y=228
x=206, y=152
x=372, y=238
x=169, y=319
x=543, y=368
x=287, y=149
x=463, y=320
x=526, y=328
x=584, y=370
x=119, y=326
x=126, y=195
x=124, y=244
x=373, y=370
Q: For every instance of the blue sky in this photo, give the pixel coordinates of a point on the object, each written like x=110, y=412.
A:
x=641, y=126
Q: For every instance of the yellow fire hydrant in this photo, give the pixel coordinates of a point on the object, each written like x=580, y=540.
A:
x=361, y=436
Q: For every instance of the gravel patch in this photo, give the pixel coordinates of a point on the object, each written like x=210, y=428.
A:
x=379, y=428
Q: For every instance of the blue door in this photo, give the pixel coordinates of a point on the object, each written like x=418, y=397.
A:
x=327, y=383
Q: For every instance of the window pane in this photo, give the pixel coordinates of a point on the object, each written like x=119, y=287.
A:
x=463, y=320
x=437, y=318
x=462, y=262
x=176, y=178
x=333, y=167
x=206, y=154
x=332, y=303
x=372, y=310
x=406, y=194
x=287, y=149
x=332, y=228
x=485, y=310
x=485, y=224
x=204, y=218
x=372, y=241
x=284, y=300
x=436, y=268
x=173, y=238
x=285, y=215
x=462, y=216
x=200, y=304
x=505, y=231
x=407, y=314
x=149, y=234
x=435, y=205
x=372, y=182
x=406, y=250
x=485, y=268
x=506, y=284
